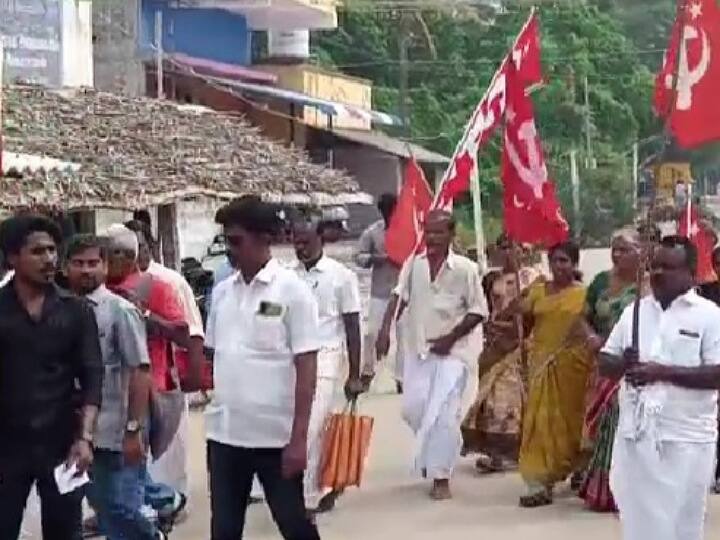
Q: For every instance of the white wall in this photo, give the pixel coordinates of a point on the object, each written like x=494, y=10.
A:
x=104, y=218
x=196, y=226
x=76, y=41
x=195, y=222
x=48, y=42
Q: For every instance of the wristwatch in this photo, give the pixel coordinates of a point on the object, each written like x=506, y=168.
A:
x=133, y=426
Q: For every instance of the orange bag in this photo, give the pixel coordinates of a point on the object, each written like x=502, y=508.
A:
x=345, y=449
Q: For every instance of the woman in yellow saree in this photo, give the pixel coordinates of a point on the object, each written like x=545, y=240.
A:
x=559, y=365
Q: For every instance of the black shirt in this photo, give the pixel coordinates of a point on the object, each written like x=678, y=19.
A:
x=47, y=369
x=711, y=291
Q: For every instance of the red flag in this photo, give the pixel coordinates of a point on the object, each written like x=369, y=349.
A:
x=692, y=227
x=532, y=211
x=525, y=56
x=404, y=234
x=688, y=84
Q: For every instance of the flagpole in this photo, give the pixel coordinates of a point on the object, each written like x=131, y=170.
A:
x=478, y=220
x=688, y=210
x=475, y=175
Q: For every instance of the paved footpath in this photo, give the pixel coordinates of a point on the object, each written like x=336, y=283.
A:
x=392, y=505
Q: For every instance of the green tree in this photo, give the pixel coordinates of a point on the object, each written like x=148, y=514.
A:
x=605, y=42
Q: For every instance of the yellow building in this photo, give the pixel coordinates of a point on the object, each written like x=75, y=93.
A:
x=332, y=86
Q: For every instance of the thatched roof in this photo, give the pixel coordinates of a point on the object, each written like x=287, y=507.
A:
x=137, y=152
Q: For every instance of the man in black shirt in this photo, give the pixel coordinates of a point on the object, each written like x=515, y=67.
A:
x=51, y=376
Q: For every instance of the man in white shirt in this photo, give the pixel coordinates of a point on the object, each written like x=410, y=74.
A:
x=263, y=328
x=664, y=453
x=444, y=301
x=337, y=292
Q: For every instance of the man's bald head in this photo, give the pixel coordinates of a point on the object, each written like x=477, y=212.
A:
x=441, y=216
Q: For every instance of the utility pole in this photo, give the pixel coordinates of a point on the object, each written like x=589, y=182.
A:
x=588, y=123
x=575, y=182
x=159, y=54
x=404, y=72
x=635, y=177
x=2, y=74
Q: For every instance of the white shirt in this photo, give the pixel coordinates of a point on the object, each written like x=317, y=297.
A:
x=336, y=289
x=687, y=334
x=257, y=329
x=185, y=294
x=435, y=308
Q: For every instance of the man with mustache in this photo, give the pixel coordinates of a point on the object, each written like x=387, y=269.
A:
x=117, y=491
x=664, y=452
x=48, y=345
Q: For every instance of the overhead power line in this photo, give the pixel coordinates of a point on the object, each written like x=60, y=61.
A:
x=490, y=61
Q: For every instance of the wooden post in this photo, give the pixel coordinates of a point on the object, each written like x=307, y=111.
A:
x=168, y=235
x=2, y=74
x=159, y=54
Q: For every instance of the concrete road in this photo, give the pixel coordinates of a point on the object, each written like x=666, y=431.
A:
x=393, y=505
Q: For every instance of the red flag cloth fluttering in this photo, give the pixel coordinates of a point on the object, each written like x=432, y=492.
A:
x=525, y=56
x=404, y=233
x=688, y=85
x=531, y=209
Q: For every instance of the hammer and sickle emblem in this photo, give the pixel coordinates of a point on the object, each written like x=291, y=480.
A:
x=535, y=175
x=688, y=77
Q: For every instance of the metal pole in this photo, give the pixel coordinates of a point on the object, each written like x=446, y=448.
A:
x=575, y=182
x=635, y=173
x=159, y=54
x=588, y=136
x=404, y=74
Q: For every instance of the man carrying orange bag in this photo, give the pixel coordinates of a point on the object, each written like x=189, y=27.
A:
x=337, y=292
x=442, y=299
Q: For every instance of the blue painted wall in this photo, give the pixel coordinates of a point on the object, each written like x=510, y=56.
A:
x=214, y=34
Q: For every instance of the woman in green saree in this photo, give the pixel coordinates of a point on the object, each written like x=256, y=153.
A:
x=607, y=297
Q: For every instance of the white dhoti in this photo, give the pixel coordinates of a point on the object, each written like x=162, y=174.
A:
x=661, y=489
x=322, y=407
x=433, y=408
x=376, y=312
x=171, y=469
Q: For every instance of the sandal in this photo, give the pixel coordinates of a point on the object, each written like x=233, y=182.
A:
x=576, y=481
x=489, y=465
x=536, y=500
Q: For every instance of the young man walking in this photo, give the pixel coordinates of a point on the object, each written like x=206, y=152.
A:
x=48, y=347
x=337, y=292
x=371, y=254
x=263, y=328
x=664, y=453
x=444, y=301
x=117, y=491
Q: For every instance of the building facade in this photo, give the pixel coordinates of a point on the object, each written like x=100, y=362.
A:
x=47, y=42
